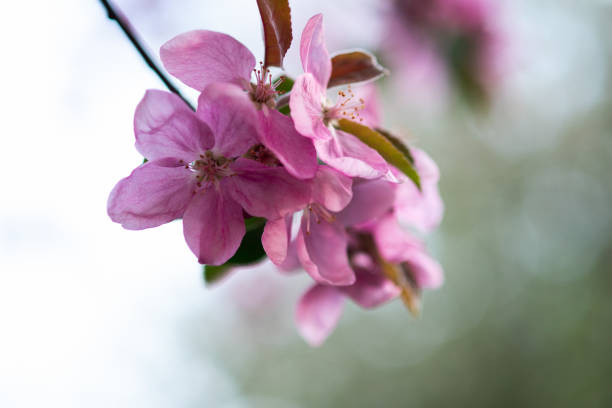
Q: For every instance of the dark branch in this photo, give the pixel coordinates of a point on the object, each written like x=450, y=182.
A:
x=115, y=14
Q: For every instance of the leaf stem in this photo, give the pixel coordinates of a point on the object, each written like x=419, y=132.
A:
x=114, y=13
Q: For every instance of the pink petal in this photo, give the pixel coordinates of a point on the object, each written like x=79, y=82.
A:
x=371, y=113
x=331, y=189
x=166, y=127
x=371, y=199
x=201, y=57
x=421, y=209
x=425, y=270
x=304, y=258
x=291, y=262
x=427, y=168
x=392, y=240
x=322, y=249
x=213, y=226
x=232, y=118
x=399, y=246
x=306, y=103
x=318, y=312
x=268, y=192
x=276, y=237
x=371, y=289
x=315, y=58
x=295, y=151
x=155, y=193
x=349, y=155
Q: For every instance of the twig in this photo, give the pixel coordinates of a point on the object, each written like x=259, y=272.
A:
x=115, y=14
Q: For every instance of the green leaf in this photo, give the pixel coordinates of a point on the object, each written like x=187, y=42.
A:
x=285, y=86
x=249, y=252
x=285, y=110
x=276, y=19
x=214, y=273
x=254, y=223
x=282, y=102
x=392, y=154
x=397, y=142
x=355, y=66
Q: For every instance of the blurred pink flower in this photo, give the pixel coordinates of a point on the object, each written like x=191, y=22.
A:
x=373, y=246
x=431, y=44
x=195, y=172
x=372, y=249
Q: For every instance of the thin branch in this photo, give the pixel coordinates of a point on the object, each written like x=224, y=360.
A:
x=114, y=13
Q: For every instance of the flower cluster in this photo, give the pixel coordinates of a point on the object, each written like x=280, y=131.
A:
x=242, y=155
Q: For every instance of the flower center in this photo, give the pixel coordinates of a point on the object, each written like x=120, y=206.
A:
x=347, y=107
x=263, y=91
x=208, y=170
x=316, y=212
x=262, y=154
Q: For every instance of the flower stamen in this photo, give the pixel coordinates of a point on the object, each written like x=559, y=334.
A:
x=208, y=170
x=263, y=91
x=317, y=212
x=347, y=106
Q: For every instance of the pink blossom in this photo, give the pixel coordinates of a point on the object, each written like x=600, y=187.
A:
x=196, y=171
x=201, y=58
x=321, y=241
x=373, y=240
x=320, y=308
x=314, y=116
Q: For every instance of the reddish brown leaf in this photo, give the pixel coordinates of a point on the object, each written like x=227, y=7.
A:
x=276, y=19
x=355, y=66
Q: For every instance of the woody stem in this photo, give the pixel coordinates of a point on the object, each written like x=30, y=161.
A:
x=114, y=13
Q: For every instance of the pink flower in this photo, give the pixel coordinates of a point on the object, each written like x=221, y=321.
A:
x=373, y=246
x=372, y=249
x=322, y=241
x=314, y=116
x=201, y=58
x=320, y=237
x=196, y=172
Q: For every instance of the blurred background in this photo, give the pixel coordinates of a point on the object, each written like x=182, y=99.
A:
x=511, y=100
